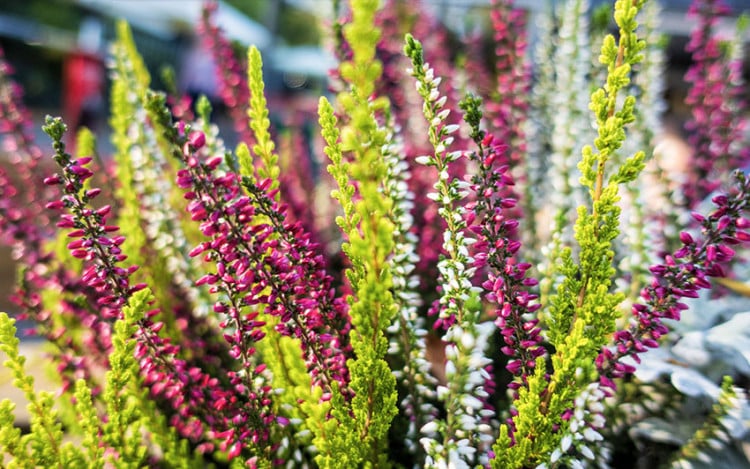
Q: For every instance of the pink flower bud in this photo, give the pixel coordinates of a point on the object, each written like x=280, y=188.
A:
x=52, y=180
x=686, y=238
x=197, y=139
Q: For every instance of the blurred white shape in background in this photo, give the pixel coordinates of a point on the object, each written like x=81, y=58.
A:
x=166, y=18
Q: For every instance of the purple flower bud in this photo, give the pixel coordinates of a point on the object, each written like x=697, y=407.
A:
x=92, y=193
x=514, y=366
x=53, y=180
x=711, y=252
x=197, y=139
x=686, y=238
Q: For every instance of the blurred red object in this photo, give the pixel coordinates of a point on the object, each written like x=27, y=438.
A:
x=83, y=86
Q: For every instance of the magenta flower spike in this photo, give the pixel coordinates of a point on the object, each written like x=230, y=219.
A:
x=204, y=407
x=264, y=264
x=718, y=118
x=682, y=275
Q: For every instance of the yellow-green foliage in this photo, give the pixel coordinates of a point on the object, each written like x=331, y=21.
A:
x=583, y=312
x=134, y=426
x=268, y=166
x=356, y=436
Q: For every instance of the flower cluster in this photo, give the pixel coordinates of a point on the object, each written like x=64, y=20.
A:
x=680, y=276
x=715, y=99
x=507, y=284
x=48, y=292
x=263, y=266
x=466, y=338
x=188, y=389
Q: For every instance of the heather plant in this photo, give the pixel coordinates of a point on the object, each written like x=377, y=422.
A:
x=198, y=317
x=717, y=123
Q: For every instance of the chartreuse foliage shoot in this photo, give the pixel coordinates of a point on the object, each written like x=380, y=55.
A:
x=356, y=435
x=259, y=122
x=123, y=441
x=583, y=312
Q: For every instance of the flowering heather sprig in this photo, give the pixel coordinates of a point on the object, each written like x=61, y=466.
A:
x=497, y=248
x=198, y=400
x=680, y=276
x=459, y=310
x=569, y=98
x=90, y=233
x=230, y=72
x=48, y=291
x=717, y=125
x=582, y=445
x=407, y=334
x=270, y=264
x=51, y=296
x=715, y=432
x=396, y=18
x=508, y=110
x=136, y=422
x=448, y=191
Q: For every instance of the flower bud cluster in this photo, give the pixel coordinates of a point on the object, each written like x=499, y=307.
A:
x=680, y=276
x=264, y=266
x=465, y=429
x=25, y=225
x=188, y=389
x=507, y=284
x=716, y=129
x=231, y=74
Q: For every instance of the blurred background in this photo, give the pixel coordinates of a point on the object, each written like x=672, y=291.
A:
x=59, y=51
x=59, y=47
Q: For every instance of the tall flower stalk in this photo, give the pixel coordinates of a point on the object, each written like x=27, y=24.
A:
x=681, y=276
x=458, y=312
x=583, y=312
x=715, y=99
